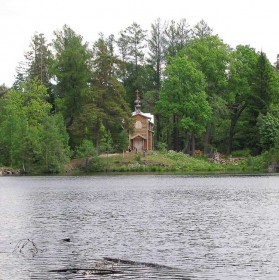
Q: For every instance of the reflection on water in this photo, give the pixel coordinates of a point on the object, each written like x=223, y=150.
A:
x=139, y=227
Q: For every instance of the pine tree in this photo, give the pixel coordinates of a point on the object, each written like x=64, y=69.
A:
x=105, y=104
x=201, y=29
x=156, y=55
x=72, y=72
x=37, y=63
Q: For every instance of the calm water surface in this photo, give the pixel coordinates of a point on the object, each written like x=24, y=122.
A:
x=140, y=227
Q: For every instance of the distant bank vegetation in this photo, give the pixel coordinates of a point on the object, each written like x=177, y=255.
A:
x=71, y=100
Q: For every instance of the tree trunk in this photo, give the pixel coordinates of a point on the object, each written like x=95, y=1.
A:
x=97, y=135
x=207, y=139
x=175, y=134
x=186, y=144
x=231, y=133
x=193, y=146
x=158, y=128
x=237, y=110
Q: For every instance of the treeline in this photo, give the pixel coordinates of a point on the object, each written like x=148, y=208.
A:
x=71, y=98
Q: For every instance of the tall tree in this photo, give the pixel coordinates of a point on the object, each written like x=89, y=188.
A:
x=156, y=54
x=268, y=126
x=132, y=44
x=156, y=59
x=72, y=72
x=40, y=58
x=183, y=99
x=54, y=144
x=105, y=104
x=37, y=63
x=211, y=56
x=24, y=119
x=263, y=84
x=176, y=37
x=201, y=29
x=133, y=38
x=265, y=91
x=241, y=74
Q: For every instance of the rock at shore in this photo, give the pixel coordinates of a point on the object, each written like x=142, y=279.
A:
x=4, y=171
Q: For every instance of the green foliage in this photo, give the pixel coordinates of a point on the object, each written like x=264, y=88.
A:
x=263, y=85
x=268, y=128
x=13, y=124
x=86, y=149
x=37, y=64
x=273, y=155
x=176, y=37
x=201, y=29
x=30, y=137
x=106, y=143
x=156, y=47
x=95, y=165
x=54, y=140
x=242, y=70
x=149, y=100
x=162, y=146
x=212, y=96
x=131, y=42
x=138, y=158
x=104, y=106
x=122, y=141
x=258, y=163
x=176, y=155
x=72, y=71
x=241, y=153
x=183, y=97
x=211, y=55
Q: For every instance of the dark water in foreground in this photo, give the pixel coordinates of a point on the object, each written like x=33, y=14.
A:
x=139, y=227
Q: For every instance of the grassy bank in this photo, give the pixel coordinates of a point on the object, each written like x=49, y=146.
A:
x=168, y=161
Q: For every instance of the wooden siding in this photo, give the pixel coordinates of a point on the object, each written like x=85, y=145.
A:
x=145, y=132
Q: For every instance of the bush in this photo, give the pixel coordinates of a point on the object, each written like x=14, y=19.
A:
x=86, y=149
x=259, y=162
x=95, y=165
x=138, y=158
x=241, y=153
x=176, y=155
x=162, y=147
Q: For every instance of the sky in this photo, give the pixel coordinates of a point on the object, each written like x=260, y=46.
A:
x=245, y=22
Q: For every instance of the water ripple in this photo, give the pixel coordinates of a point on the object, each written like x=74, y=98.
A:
x=144, y=227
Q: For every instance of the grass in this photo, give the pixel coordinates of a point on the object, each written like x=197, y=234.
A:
x=169, y=161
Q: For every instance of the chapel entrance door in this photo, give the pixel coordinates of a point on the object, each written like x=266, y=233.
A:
x=138, y=143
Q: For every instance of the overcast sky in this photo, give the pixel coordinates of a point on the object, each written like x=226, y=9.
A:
x=251, y=22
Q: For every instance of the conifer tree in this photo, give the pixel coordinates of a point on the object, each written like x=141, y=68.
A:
x=105, y=104
x=72, y=72
x=132, y=44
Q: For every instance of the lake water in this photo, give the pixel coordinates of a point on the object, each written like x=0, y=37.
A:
x=139, y=227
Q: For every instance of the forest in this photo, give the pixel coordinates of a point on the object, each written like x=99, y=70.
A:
x=72, y=98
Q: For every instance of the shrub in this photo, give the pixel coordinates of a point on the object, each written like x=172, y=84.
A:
x=138, y=158
x=162, y=146
x=241, y=153
x=86, y=149
x=95, y=165
x=259, y=162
